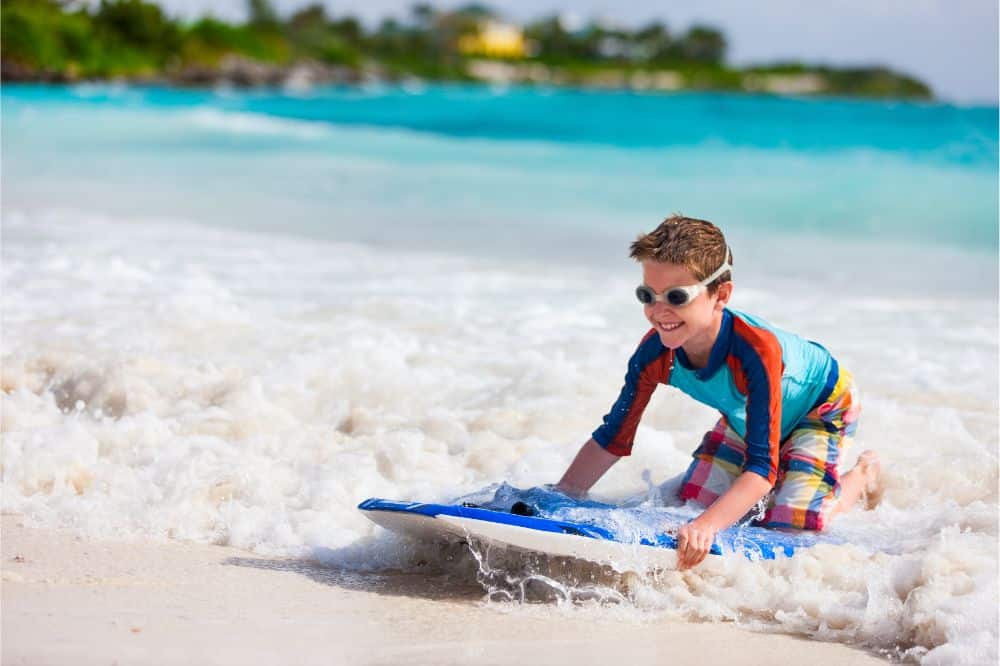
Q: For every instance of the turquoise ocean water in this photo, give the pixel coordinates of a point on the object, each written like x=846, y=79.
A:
x=230, y=316
x=451, y=165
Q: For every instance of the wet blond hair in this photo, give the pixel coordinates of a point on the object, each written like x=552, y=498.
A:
x=698, y=245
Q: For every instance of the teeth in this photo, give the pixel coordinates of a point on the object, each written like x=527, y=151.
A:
x=670, y=327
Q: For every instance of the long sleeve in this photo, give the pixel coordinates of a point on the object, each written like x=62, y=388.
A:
x=650, y=365
x=756, y=365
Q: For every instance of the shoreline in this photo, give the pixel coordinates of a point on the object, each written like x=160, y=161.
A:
x=71, y=599
x=413, y=83
x=302, y=76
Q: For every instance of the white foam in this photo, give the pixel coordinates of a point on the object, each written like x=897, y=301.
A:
x=239, y=122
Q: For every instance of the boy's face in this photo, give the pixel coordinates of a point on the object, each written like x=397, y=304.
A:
x=693, y=324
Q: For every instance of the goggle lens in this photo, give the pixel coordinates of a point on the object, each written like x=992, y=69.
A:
x=675, y=297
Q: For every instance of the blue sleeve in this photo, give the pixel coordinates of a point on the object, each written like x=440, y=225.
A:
x=757, y=373
x=650, y=365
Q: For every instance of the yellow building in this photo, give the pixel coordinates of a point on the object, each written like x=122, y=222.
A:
x=499, y=40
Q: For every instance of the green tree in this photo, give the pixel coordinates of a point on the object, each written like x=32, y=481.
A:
x=207, y=40
x=475, y=11
x=139, y=25
x=550, y=38
x=27, y=38
x=67, y=39
x=652, y=41
x=389, y=38
x=262, y=15
x=313, y=36
x=465, y=20
x=703, y=44
x=423, y=15
x=310, y=16
x=349, y=29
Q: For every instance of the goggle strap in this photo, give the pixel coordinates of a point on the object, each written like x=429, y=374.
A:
x=722, y=269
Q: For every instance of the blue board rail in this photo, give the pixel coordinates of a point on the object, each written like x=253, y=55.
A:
x=755, y=543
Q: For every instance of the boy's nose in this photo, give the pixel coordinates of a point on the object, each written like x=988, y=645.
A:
x=659, y=307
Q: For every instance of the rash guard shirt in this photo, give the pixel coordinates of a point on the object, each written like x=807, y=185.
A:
x=762, y=379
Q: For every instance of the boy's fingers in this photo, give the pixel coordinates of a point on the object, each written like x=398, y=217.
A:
x=691, y=550
x=690, y=554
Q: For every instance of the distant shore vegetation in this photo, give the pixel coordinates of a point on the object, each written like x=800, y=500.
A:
x=134, y=40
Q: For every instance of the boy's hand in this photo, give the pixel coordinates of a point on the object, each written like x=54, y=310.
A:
x=694, y=540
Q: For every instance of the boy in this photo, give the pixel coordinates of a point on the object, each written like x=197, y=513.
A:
x=788, y=408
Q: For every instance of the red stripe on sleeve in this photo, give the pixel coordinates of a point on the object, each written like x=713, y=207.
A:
x=657, y=372
x=767, y=348
x=739, y=376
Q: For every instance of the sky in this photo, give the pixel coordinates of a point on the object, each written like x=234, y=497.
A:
x=949, y=44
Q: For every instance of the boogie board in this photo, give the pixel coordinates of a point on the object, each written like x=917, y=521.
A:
x=544, y=521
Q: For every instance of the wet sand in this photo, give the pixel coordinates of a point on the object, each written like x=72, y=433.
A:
x=69, y=600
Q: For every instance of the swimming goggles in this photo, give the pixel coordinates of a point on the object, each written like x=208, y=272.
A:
x=681, y=296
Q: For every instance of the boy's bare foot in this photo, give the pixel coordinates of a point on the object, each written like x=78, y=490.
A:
x=870, y=467
x=862, y=482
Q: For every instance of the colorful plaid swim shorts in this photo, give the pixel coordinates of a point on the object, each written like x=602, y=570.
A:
x=808, y=483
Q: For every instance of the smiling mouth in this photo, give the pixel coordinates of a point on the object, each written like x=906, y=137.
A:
x=669, y=327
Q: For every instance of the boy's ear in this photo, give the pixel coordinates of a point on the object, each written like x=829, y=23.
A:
x=723, y=295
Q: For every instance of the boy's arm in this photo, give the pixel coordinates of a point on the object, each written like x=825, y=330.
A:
x=695, y=539
x=590, y=464
x=649, y=366
x=758, y=369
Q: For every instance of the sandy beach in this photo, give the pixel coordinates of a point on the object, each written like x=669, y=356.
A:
x=72, y=600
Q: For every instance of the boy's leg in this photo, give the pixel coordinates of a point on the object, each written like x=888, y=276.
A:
x=808, y=484
x=716, y=464
x=809, y=488
x=863, y=481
